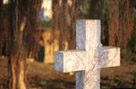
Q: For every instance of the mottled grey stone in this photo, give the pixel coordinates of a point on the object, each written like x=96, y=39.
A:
x=79, y=79
x=80, y=35
x=88, y=57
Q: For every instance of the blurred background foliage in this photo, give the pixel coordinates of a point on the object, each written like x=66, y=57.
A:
x=118, y=19
x=45, y=24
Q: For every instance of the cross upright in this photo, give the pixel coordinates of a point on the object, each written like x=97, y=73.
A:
x=88, y=57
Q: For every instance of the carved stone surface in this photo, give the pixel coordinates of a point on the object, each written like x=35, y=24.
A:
x=88, y=57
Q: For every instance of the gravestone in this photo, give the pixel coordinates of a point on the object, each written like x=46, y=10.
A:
x=88, y=57
x=51, y=44
x=48, y=46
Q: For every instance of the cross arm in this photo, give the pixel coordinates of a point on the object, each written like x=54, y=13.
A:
x=68, y=61
x=110, y=57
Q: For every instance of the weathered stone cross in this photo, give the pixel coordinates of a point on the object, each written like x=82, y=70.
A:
x=88, y=57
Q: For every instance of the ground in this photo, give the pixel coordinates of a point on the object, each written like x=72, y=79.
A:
x=43, y=76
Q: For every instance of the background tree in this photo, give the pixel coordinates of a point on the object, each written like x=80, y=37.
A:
x=96, y=8
x=121, y=20
x=113, y=22
x=117, y=17
x=121, y=26
x=65, y=13
x=21, y=37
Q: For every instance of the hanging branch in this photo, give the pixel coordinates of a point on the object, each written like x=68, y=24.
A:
x=121, y=22
x=113, y=21
x=65, y=20
x=126, y=22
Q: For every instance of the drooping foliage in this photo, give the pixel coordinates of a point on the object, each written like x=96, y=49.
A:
x=121, y=20
x=118, y=23
x=113, y=21
x=65, y=13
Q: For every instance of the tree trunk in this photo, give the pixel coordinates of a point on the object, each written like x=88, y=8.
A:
x=18, y=53
x=18, y=61
x=20, y=28
x=18, y=79
x=113, y=21
x=121, y=21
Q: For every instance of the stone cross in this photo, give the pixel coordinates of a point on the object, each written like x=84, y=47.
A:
x=88, y=57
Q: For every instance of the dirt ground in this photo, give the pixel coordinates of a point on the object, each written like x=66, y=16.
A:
x=43, y=76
